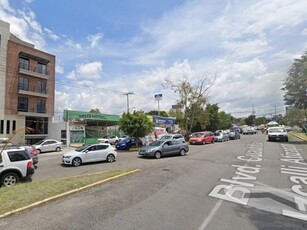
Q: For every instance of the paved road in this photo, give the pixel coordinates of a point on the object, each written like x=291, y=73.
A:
x=244, y=184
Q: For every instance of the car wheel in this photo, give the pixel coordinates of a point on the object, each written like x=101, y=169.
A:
x=287, y=139
x=158, y=155
x=38, y=151
x=182, y=152
x=110, y=158
x=9, y=179
x=58, y=149
x=76, y=161
x=212, y=141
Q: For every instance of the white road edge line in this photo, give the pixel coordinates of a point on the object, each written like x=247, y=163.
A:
x=212, y=213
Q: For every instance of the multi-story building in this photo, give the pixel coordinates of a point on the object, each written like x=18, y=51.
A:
x=27, y=86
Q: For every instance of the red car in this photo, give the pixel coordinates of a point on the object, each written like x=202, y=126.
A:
x=201, y=138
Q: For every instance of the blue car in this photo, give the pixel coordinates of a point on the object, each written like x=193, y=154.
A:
x=127, y=143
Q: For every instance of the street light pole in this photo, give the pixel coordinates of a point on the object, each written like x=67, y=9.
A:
x=127, y=94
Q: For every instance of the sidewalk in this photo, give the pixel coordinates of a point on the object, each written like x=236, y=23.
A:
x=300, y=136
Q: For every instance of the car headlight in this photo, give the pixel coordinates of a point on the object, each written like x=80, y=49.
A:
x=67, y=157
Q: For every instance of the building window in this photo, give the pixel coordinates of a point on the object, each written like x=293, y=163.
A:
x=41, y=87
x=42, y=68
x=41, y=106
x=23, y=104
x=23, y=83
x=14, y=125
x=1, y=126
x=24, y=63
x=8, y=124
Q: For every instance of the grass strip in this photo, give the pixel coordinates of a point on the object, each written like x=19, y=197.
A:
x=299, y=134
x=25, y=194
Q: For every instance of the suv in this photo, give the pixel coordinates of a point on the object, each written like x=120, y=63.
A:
x=16, y=165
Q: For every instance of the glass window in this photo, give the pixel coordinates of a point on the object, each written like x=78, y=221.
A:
x=20, y=155
x=22, y=104
x=23, y=83
x=101, y=147
x=8, y=126
x=24, y=63
x=41, y=106
x=1, y=126
x=41, y=68
x=41, y=87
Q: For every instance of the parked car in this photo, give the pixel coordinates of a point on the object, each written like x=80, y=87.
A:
x=248, y=130
x=108, y=139
x=277, y=134
x=201, y=138
x=16, y=165
x=233, y=135
x=29, y=149
x=221, y=137
x=48, y=145
x=161, y=148
x=90, y=153
x=127, y=143
x=179, y=137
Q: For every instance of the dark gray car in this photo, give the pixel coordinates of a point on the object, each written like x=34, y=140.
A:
x=163, y=148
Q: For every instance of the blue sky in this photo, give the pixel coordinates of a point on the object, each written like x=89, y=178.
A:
x=105, y=48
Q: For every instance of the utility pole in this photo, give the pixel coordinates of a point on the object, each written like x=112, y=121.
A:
x=127, y=94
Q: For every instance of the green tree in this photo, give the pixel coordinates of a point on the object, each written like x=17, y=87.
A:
x=156, y=113
x=250, y=120
x=225, y=120
x=135, y=124
x=213, y=116
x=295, y=117
x=295, y=85
x=260, y=120
x=192, y=99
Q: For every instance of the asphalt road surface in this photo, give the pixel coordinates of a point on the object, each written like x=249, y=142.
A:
x=241, y=184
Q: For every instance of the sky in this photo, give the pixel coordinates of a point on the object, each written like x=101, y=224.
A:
x=107, y=48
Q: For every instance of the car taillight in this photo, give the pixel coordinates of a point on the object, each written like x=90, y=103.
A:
x=33, y=152
x=30, y=164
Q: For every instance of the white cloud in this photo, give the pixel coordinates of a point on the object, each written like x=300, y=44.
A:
x=304, y=32
x=91, y=70
x=59, y=69
x=71, y=75
x=94, y=39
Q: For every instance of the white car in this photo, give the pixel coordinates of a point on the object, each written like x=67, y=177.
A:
x=48, y=145
x=108, y=139
x=16, y=165
x=277, y=134
x=90, y=153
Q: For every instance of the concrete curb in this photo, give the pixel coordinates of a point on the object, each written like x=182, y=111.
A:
x=293, y=134
x=67, y=193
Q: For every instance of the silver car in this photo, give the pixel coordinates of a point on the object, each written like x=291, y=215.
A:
x=48, y=145
x=161, y=148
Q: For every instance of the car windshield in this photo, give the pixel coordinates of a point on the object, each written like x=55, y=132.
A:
x=198, y=135
x=156, y=143
x=125, y=140
x=83, y=147
x=276, y=130
x=165, y=137
x=40, y=142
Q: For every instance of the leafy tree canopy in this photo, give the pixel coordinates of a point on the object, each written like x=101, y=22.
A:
x=295, y=85
x=157, y=113
x=136, y=124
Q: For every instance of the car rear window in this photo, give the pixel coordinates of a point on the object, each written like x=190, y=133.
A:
x=18, y=155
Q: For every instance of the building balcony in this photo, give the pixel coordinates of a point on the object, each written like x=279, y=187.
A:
x=33, y=92
x=34, y=71
x=33, y=112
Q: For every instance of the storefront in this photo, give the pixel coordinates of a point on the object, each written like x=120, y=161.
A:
x=87, y=127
